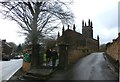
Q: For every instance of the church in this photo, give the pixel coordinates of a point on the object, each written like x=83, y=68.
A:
x=78, y=44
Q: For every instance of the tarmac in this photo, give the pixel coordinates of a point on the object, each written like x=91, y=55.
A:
x=47, y=73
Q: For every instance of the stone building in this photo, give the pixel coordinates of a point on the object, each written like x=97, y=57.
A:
x=6, y=50
x=77, y=44
x=112, y=49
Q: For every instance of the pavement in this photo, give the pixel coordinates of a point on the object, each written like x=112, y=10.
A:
x=113, y=65
x=39, y=73
x=72, y=73
x=16, y=75
x=34, y=74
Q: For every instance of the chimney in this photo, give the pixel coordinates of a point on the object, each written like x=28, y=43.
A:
x=63, y=29
x=74, y=27
x=68, y=26
x=4, y=40
x=58, y=34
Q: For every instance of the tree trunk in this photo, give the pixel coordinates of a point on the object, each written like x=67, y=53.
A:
x=35, y=58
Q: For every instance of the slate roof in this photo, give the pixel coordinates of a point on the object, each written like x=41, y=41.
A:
x=74, y=38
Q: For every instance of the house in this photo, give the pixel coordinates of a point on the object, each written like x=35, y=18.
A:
x=6, y=50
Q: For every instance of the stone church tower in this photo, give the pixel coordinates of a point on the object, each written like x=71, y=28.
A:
x=87, y=30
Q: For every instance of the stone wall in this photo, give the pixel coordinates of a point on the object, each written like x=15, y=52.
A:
x=69, y=55
x=113, y=49
x=93, y=45
x=75, y=54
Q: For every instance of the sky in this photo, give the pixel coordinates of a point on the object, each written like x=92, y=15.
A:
x=103, y=14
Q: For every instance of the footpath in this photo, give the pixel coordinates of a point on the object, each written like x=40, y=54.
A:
x=113, y=65
x=40, y=73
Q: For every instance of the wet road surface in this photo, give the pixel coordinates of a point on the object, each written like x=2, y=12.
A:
x=91, y=67
x=8, y=68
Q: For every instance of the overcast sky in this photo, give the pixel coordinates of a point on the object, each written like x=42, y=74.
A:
x=103, y=13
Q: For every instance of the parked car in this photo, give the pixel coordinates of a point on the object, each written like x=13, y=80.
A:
x=18, y=57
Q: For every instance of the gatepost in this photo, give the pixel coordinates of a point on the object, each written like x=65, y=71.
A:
x=63, y=56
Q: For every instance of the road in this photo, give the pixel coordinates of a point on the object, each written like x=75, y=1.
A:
x=8, y=68
x=91, y=67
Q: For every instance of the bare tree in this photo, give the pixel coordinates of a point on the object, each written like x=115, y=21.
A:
x=37, y=18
